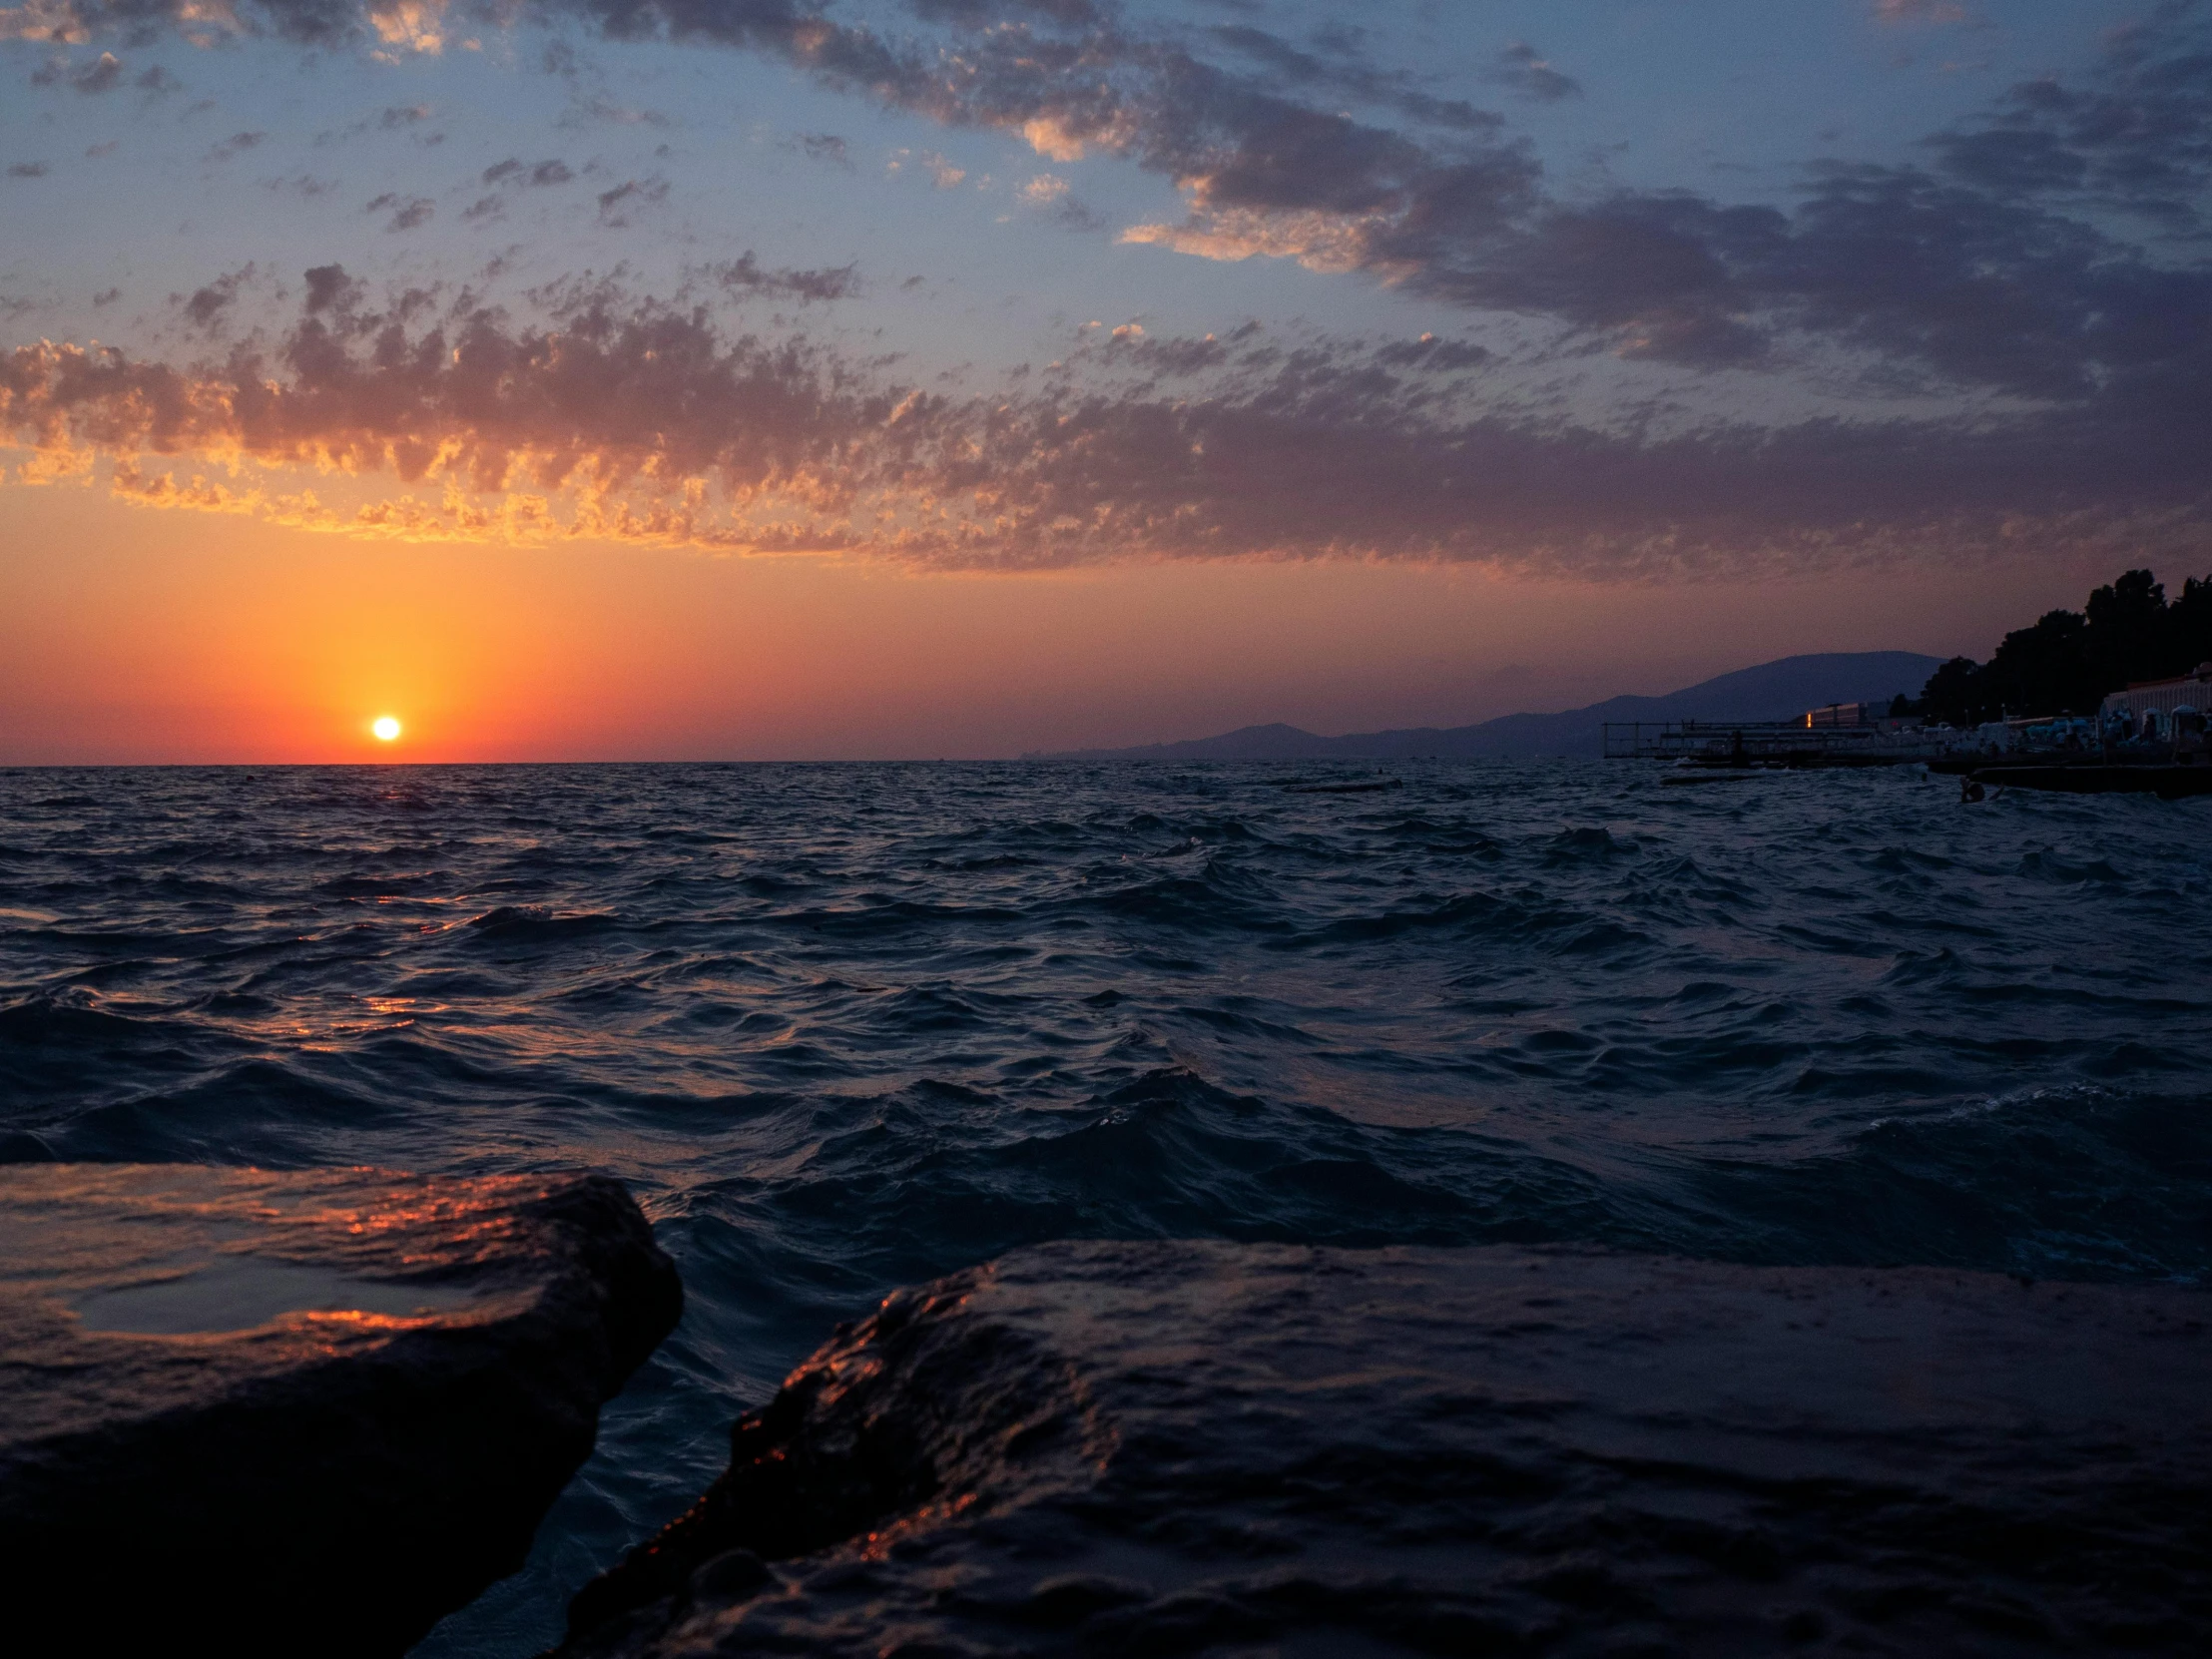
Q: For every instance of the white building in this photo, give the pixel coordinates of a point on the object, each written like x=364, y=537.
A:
x=2189, y=691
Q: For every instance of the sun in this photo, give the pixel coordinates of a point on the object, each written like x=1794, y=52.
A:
x=384, y=727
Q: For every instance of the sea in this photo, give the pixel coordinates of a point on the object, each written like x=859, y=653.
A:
x=844, y=1027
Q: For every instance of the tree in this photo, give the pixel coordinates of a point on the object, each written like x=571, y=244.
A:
x=2189, y=626
x=2046, y=669
x=1953, y=694
x=2068, y=660
x=2127, y=631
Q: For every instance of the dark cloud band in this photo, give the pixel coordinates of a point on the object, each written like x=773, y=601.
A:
x=653, y=421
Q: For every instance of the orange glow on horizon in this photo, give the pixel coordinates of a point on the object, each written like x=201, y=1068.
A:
x=128, y=637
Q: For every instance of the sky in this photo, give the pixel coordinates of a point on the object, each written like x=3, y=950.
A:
x=803, y=379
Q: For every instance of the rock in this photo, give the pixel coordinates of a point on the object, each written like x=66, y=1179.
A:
x=250, y=1412
x=1182, y=1449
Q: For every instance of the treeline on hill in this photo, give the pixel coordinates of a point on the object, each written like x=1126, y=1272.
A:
x=2070, y=658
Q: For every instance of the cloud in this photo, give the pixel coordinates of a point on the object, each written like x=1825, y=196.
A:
x=743, y=276
x=941, y=171
x=205, y=307
x=1321, y=157
x=327, y=286
x=408, y=26
x=823, y=146
x=1920, y=11
x=237, y=143
x=1523, y=69
x=624, y=417
x=615, y=205
x=2037, y=274
x=103, y=74
x=594, y=110
x=1048, y=192
x=516, y=171
x=27, y=170
x=2136, y=135
x=408, y=213
x=1972, y=273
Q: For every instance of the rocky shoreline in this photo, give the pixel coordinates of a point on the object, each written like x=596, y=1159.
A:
x=272, y=1412
x=252, y=1411
x=1212, y=1448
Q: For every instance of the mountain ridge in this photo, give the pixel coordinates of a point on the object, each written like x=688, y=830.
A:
x=1775, y=690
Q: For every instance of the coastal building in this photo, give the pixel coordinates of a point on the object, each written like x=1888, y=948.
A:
x=2162, y=697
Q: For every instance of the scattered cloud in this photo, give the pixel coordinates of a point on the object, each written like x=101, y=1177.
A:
x=27, y=170
x=408, y=213
x=615, y=205
x=745, y=277
x=514, y=170
x=236, y=144
x=102, y=74
x=1920, y=11
x=591, y=112
x=823, y=146
x=1321, y=157
x=327, y=286
x=1048, y=192
x=205, y=307
x=1523, y=69
x=408, y=28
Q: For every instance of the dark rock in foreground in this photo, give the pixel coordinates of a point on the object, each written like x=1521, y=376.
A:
x=1184, y=1448
x=252, y=1413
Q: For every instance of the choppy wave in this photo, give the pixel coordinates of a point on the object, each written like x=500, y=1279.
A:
x=846, y=1027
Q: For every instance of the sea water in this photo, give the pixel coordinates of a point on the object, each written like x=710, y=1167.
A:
x=844, y=1027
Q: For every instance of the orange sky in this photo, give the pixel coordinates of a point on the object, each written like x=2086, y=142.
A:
x=1860, y=305
x=135, y=635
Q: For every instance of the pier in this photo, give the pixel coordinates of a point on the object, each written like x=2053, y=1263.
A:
x=1787, y=744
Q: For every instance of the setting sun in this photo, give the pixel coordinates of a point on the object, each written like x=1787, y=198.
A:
x=384, y=727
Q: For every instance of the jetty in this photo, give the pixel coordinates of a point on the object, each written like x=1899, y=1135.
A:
x=2152, y=738
x=1773, y=745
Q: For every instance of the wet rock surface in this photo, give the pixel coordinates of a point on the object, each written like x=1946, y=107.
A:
x=257, y=1411
x=1221, y=1450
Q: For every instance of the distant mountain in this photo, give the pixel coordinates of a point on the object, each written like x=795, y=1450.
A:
x=1772, y=691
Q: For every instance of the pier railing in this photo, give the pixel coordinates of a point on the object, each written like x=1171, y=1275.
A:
x=1767, y=742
